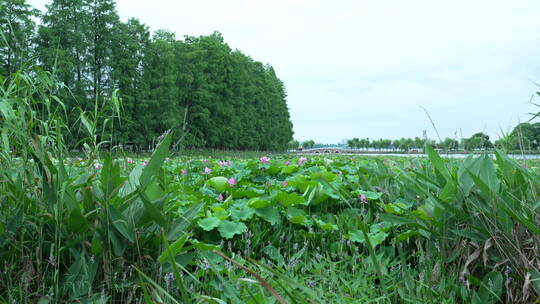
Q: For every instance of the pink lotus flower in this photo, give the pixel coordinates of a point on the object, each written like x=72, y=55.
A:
x=287, y=163
x=207, y=170
x=285, y=184
x=130, y=161
x=220, y=197
x=98, y=166
x=264, y=160
x=363, y=199
x=145, y=162
x=225, y=163
x=184, y=171
x=232, y=182
x=301, y=161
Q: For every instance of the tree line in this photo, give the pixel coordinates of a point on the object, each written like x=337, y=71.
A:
x=210, y=95
x=476, y=141
x=525, y=137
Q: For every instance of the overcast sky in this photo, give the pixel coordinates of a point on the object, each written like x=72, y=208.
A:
x=365, y=68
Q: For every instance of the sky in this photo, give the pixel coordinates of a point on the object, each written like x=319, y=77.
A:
x=368, y=68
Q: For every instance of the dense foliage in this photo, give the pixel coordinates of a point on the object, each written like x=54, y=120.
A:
x=210, y=95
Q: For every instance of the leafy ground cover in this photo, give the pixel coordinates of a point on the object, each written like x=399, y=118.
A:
x=289, y=229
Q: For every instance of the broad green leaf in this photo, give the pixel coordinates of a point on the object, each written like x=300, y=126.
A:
x=179, y=226
x=228, y=229
x=118, y=242
x=297, y=216
x=156, y=161
x=273, y=169
x=241, y=212
x=325, y=226
x=436, y=161
x=448, y=193
x=209, y=223
x=220, y=212
x=300, y=182
x=219, y=183
x=154, y=191
x=133, y=181
x=76, y=222
x=203, y=246
x=110, y=176
x=488, y=173
x=398, y=207
x=258, y=202
x=79, y=277
x=288, y=199
x=491, y=288
x=248, y=192
x=121, y=224
x=323, y=174
x=152, y=210
x=465, y=180
x=174, y=248
x=269, y=214
x=374, y=238
x=317, y=194
x=289, y=169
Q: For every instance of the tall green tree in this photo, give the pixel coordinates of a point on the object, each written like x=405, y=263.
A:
x=100, y=36
x=160, y=107
x=308, y=144
x=131, y=42
x=477, y=141
x=449, y=144
x=210, y=95
x=62, y=49
x=17, y=28
x=61, y=44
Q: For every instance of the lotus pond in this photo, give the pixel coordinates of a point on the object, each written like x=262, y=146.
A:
x=271, y=229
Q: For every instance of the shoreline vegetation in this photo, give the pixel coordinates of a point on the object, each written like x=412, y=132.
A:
x=420, y=154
